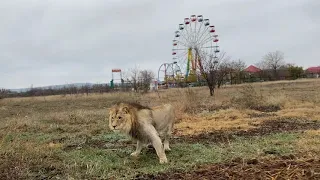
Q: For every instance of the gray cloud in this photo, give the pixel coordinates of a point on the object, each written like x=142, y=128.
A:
x=44, y=42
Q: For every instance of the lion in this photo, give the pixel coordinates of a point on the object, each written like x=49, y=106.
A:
x=145, y=125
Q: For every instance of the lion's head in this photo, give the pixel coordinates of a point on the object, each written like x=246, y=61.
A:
x=123, y=117
x=120, y=118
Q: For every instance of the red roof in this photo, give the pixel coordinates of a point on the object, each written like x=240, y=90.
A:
x=252, y=69
x=314, y=69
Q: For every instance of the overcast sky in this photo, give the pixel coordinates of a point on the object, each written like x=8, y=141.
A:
x=45, y=42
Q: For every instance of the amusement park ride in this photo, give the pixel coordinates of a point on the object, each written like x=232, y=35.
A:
x=112, y=80
x=194, y=37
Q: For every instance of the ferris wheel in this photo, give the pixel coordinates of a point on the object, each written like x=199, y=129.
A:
x=194, y=36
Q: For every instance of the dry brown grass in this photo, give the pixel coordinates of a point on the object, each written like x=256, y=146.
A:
x=233, y=106
x=196, y=110
x=309, y=143
x=34, y=130
x=220, y=120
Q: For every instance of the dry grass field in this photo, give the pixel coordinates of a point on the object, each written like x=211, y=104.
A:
x=265, y=130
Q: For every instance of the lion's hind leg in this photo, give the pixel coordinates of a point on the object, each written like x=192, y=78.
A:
x=166, y=142
x=167, y=137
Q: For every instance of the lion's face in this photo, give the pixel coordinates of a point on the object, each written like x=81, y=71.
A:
x=118, y=118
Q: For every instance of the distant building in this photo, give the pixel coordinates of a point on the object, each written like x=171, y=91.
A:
x=255, y=74
x=252, y=69
x=154, y=85
x=313, y=72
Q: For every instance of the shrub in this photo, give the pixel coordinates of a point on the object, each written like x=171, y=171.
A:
x=249, y=98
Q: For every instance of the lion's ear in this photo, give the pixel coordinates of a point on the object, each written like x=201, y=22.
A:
x=125, y=109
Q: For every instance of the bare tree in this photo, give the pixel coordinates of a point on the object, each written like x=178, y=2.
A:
x=223, y=71
x=145, y=78
x=273, y=61
x=132, y=77
x=4, y=93
x=237, y=67
x=232, y=69
x=97, y=88
x=106, y=88
x=209, y=68
x=85, y=89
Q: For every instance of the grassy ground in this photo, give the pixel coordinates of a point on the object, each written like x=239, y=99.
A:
x=67, y=137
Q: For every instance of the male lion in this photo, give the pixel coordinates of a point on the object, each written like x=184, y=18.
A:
x=144, y=124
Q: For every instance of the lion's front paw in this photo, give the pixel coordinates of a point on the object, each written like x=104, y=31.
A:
x=135, y=154
x=163, y=160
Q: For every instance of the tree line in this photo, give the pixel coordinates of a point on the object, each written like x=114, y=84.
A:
x=137, y=80
x=213, y=72
x=221, y=70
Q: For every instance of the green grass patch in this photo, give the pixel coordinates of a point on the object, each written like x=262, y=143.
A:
x=106, y=163
x=25, y=137
x=110, y=137
x=96, y=160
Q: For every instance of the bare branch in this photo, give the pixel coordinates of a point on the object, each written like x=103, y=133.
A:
x=212, y=69
x=273, y=61
x=132, y=77
x=145, y=78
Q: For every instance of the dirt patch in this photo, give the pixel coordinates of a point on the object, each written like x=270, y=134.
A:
x=281, y=125
x=205, y=138
x=265, y=128
x=267, y=108
x=286, y=167
x=261, y=115
x=11, y=167
x=20, y=167
x=220, y=136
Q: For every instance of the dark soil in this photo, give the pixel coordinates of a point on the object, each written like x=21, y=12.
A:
x=261, y=115
x=11, y=167
x=284, y=168
x=18, y=167
x=265, y=128
x=267, y=108
x=216, y=136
